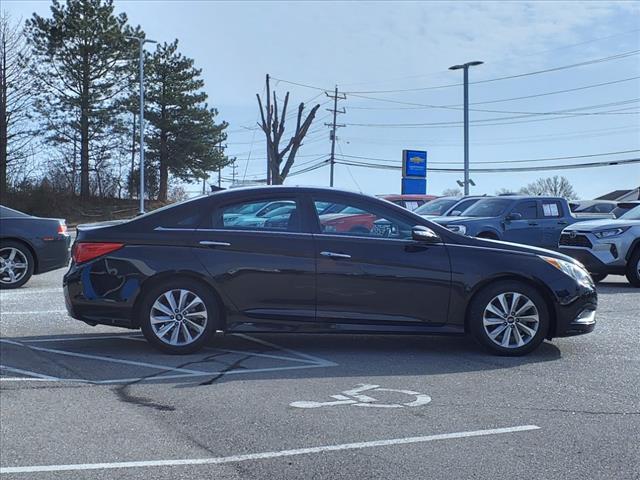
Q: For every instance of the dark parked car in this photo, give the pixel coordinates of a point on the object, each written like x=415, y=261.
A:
x=29, y=246
x=181, y=273
x=536, y=221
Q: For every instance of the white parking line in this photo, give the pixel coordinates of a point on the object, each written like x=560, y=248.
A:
x=105, y=359
x=307, y=361
x=29, y=291
x=33, y=312
x=37, y=376
x=265, y=455
x=312, y=358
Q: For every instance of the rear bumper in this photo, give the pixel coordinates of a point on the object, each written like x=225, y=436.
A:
x=53, y=253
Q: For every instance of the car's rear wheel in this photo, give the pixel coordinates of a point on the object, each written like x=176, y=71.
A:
x=598, y=277
x=633, y=268
x=509, y=318
x=16, y=265
x=179, y=316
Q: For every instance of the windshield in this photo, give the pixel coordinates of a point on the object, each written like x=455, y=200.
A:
x=491, y=207
x=633, y=214
x=436, y=207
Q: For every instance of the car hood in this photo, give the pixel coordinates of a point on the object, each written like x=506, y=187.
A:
x=514, y=247
x=592, y=225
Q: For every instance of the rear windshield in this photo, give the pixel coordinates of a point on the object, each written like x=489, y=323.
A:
x=6, y=212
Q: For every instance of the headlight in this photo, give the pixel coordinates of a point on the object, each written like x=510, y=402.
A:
x=577, y=272
x=329, y=228
x=461, y=229
x=611, y=232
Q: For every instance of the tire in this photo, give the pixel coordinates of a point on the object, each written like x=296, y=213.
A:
x=531, y=325
x=197, y=308
x=598, y=277
x=633, y=268
x=16, y=264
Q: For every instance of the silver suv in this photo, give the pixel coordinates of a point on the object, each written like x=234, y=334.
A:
x=608, y=246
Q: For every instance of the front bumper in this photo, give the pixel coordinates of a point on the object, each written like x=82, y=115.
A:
x=579, y=316
x=595, y=262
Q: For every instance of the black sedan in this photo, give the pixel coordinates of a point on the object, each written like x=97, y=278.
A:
x=29, y=246
x=182, y=273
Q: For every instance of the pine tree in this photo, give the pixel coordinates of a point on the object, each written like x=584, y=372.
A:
x=184, y=139
x=82, y=55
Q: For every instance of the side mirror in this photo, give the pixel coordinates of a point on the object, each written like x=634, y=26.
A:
x=514, y=216
x=455, y=213
x=424, y=234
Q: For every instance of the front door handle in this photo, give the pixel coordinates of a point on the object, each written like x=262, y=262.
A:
x=335, y=255
x=533, y=224
x=211, y=243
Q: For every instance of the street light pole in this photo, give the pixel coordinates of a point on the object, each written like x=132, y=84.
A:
x=465, y=68
x=141, y=42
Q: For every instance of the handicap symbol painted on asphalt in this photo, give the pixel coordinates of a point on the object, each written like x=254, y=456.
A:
x=356, y=398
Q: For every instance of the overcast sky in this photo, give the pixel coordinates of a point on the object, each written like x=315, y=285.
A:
x=387, y=47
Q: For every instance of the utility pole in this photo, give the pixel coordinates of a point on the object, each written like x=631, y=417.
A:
x=133, y=156
x=141, y=41
x=332, y=135
x=465, y=68
x=233, y=172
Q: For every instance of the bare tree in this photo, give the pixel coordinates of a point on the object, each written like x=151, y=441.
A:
x=273, y=127
x=16, y=97
x=555, y=186
x=452, y=192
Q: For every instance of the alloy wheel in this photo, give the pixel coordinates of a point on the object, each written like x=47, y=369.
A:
x=13, y=265
x=178, y=317
x=511, y=320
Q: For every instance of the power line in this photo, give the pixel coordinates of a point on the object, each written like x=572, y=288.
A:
x=570, y=112
x=547, y=159
x=608, y=163
x=420, y=106
x=406, y=77
x=519, y=75
x=593, y=133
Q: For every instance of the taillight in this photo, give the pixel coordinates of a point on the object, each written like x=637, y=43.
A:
x=83, y=251
x=62, y=228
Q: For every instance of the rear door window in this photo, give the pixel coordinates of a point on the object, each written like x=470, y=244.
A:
x=551, y=209
x=276, y=214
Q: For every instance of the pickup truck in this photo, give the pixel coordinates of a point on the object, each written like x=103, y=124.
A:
x=529, y=220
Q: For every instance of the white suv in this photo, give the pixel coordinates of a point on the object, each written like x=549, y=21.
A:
x=608, y=246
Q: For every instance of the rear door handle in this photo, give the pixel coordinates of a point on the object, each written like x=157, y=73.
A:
x=335, y=255
x=533, y=224
x=562, y=222
x=211, y=243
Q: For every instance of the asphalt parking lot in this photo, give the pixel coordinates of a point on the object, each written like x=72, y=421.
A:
x=81, y=402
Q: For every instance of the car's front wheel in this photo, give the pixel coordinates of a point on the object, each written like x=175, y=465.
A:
x=16, y=264
x=179, y=316
x=509, y=318
x=633, y=268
